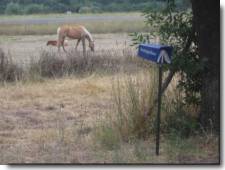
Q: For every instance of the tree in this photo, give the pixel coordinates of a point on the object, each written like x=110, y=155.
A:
x=195, y=37
x=13, y=8
x=207, y=24
x=176, y=28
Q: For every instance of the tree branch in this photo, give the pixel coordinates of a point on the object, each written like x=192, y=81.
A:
x=173, y=71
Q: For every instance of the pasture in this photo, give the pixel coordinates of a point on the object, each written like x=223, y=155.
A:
x=64, y=108
x=96, y=23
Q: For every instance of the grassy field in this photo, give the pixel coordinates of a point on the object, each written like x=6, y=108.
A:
x=67, y=108
x=77, y=110
x=23, y=49
x=93, y=26
x=96, y=23
x=116, y=14
x=56, y=121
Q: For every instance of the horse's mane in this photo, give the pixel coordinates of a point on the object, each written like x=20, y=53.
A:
x=88, y=33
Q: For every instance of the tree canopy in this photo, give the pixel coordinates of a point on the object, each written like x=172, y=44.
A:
x=82, y=6
x=195, y=36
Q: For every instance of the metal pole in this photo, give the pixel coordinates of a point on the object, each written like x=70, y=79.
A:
x=159, y=110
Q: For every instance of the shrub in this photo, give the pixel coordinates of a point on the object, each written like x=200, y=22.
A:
x=34, y=9
x=13, y=8
x=178, y=120
x=176, y=28
x=129, y=121
x=91, y=9
x=53, y=64
x=131, y=104
x=58, y=7
x=8, y=70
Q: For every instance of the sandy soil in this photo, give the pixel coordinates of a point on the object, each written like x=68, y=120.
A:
x=24, y=48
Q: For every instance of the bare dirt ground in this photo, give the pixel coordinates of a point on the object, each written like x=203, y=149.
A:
x=24, y=48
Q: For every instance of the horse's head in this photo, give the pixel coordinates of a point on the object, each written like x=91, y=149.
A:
x=92, y=45
x=48, y=43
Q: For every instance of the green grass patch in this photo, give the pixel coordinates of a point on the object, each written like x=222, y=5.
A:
x=57, y=15
x=95, y=25
x=92, y=26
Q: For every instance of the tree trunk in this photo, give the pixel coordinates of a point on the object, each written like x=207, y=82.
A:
x=207, y=24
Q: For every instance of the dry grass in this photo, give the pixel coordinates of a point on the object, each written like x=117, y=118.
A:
x=64, y=118
x=54, y=64
x=96, y=23
x=56, y=121
x=8, y=70
x=181, y=141
x=64, y=15
x=14, y=45
x=92, y=26
x=32, y=112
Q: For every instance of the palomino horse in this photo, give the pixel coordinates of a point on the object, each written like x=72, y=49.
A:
x=74, y=32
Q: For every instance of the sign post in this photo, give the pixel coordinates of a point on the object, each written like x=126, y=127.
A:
x=159, y=109
x=159, y=54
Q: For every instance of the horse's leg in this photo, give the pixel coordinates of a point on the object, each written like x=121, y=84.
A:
x=63, y=45
x=59, y=42
x=58, y=45
x=84, y=47
x=78, y=41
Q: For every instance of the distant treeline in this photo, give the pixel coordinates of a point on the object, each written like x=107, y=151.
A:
x=83, y=6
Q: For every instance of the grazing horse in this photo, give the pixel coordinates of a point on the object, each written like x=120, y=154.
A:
x=74, y=32
x=54, y=43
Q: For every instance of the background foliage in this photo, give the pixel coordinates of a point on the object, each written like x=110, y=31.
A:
x=82, y=6
x=175, y=28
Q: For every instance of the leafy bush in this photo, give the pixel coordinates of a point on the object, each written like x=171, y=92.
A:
x=34, y=9
x=155, y=6
x=87, y=9
x=13, y=8
x=86, y=6
x=175, y=28
x=180, y=122
x=178, y=118
x=58, y=7
x=182, y=5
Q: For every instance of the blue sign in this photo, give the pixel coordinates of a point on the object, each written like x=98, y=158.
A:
x=157, y=53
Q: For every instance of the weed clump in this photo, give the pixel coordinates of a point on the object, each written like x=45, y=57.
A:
x=108, y=137
x=54, y=65
x=132, y=99
x=9, y=71
x=178, y=121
